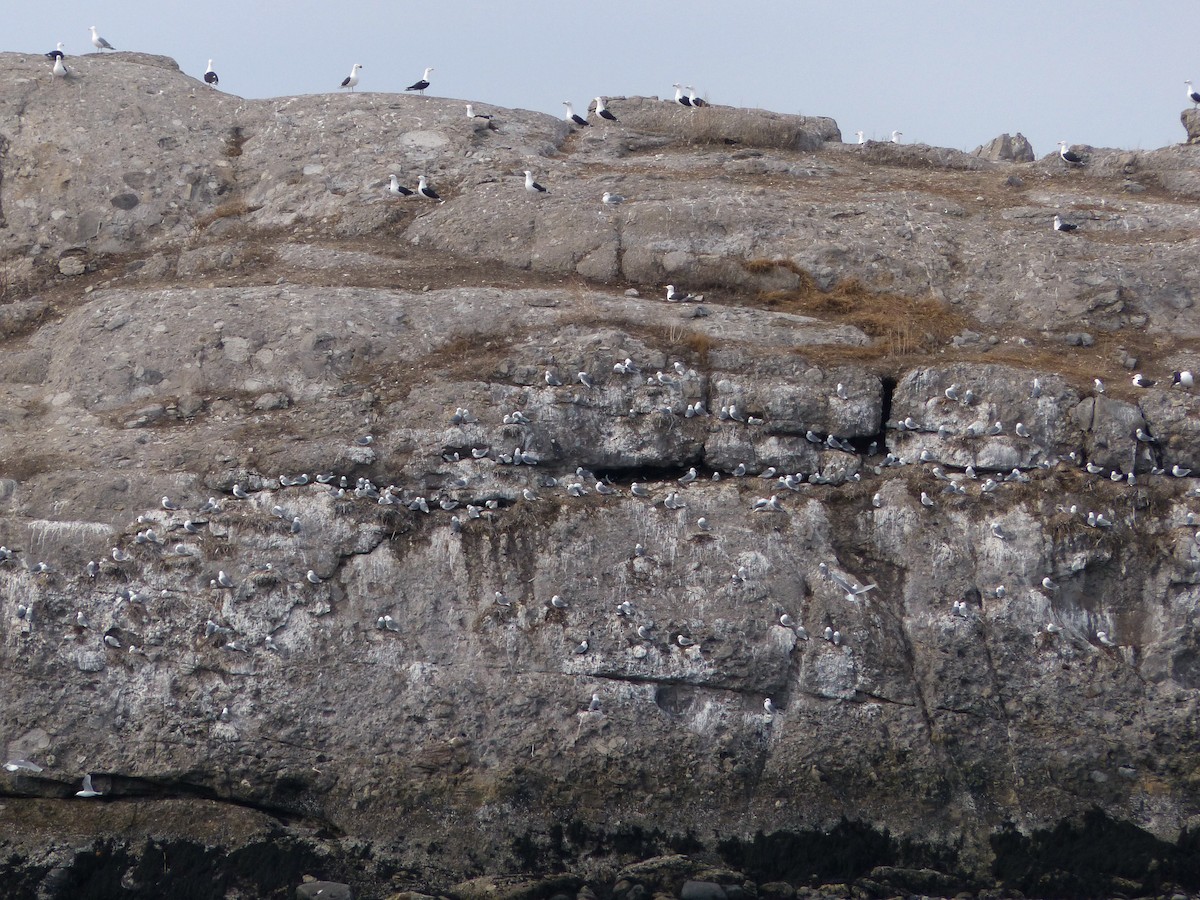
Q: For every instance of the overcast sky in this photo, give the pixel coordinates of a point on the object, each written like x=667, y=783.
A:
x=954, y=74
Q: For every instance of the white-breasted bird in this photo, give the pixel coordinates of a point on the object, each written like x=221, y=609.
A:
x=532, y=186
x=100, y=43
x=351, y=80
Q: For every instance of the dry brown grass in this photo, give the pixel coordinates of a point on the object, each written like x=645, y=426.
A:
x=900, y=326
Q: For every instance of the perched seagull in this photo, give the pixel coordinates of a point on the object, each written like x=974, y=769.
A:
x=422, y=84
x=1103, y=638
x=1021, y=430
x=352, y=79
x=679, y=98
x=1140, y=380
x=692, y=98
x=1192, y=94
x=57, y=53
x=210, y=77
x=769, y=707
x=925, y=501
x=689, y=477
x=1098, y=385
x=471, y=114
x=610, y=199
x=1049, y=584
x=88, y=791
x=532, y=186
x=59, y=69
x=100, y=43
x=595, y=705
x=396, y=189
x=861, y=138
x=1060, y=225
x=425, y=190
x=571, y=117
x=1182, y=379
x=674, y=296
x=683, y=640
x=581, y=648
x=602, y=110
x=1069, y=156
x=313, y=577
x=896, y=135
x=224, y=580
x=553, y=380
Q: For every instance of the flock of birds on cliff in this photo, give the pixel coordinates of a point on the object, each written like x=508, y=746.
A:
x=152, y=542
x=426, y=191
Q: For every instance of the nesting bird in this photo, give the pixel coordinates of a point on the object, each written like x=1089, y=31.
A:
x=1070, y=157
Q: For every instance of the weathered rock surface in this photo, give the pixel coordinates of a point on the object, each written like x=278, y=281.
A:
x=375, y=657
x=1006, y=148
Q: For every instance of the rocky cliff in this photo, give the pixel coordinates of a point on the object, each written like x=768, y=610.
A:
x=323, y=556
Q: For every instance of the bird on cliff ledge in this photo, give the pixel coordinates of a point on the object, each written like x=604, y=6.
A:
x=210, y=77
x=1192, y=93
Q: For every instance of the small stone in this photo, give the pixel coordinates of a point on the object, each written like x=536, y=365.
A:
x=71, y=266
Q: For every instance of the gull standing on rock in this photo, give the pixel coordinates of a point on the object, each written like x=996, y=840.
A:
x=58, y=53
x=421, y=84
x=425, y=190
x=59, y=69
x=572, y=117
x=679, y=98
x=210, y=77
x=100, y=43
x=610, y=199
x=396, y=189
x=351, y=80
x=532, y=186
x=602, y=110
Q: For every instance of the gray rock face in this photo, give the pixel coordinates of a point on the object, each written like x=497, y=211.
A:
x=1191, y=124
x=425, y=608
x=1006, y=148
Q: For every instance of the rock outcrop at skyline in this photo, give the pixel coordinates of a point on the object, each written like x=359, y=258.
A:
x=200, y=293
